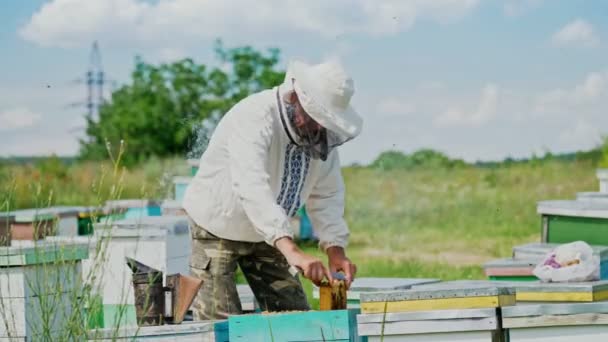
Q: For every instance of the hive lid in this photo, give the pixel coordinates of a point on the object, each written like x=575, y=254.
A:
x=511, y=263
x=536, y=286
x=38, y=252
x=426, y=315
x=146, y=224
x=166, y=331
x=528, y=310
x=595, y=209
x=540, y=250
x=33, y=215
x=131, y=203
x=425, y=293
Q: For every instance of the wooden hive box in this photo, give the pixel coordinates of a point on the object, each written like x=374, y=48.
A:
x=538, y=251
x=471, y=325
x=33, y=224
x=40, y=290
x=201, y=331
x=87, y=217
x=171, y=207
x=511, y=269
x=180, y=184
x=161, y=242
x=304, y=326
x=562, y=292
x=441, y=296
x=569, y=221
x=364, y=285
x=586, y=322
x=132, y=208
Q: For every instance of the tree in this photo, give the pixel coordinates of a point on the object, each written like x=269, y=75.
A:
x=159, y=113
x=423, y=158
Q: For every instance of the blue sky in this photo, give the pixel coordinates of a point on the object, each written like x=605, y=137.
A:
x=479, y=80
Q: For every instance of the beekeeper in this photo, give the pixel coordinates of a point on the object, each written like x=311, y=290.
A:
x=273, y=152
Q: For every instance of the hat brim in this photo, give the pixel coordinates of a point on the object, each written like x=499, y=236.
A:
x=346, y=122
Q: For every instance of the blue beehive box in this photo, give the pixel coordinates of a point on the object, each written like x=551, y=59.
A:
x=181, y=184
x=132, y=208
x=337, y=325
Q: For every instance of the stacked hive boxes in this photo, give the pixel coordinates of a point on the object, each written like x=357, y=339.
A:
x=449, y=311
x=562, y=221
x=557, y=312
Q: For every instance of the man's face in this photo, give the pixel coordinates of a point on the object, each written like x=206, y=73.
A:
x=304, y=123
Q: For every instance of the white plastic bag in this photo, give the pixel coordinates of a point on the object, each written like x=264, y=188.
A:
x=571, y=262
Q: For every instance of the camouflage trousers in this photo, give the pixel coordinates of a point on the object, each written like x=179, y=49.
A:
x=215, y=261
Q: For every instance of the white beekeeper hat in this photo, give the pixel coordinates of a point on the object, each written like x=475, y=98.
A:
x=324, y=91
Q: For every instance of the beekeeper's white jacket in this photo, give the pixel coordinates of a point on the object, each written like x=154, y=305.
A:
x=252, y=178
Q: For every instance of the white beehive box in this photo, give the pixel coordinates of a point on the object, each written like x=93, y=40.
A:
x=557, y=322
x=161, y=242
x=471, y=325
x=40, y=290
x=65, y=218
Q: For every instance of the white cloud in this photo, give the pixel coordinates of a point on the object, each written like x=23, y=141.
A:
x=519, y=7
x=583, y=135
x=485, y=110
x=577, y=32
x=17, y=118
x=591, y=91
x=393, y=106
x=173, y=22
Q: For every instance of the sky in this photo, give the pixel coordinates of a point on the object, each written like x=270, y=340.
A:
x=475, y=79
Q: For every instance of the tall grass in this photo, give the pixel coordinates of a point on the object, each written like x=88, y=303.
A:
x=61, y=297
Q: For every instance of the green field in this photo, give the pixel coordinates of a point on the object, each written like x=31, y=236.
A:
x=419, y=223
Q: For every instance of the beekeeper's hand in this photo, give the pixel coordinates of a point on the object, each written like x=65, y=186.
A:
x=310, y=266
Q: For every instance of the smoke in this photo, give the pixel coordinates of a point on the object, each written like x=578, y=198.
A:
x=203, y=131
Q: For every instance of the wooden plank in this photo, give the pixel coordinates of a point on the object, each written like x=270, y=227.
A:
x=438, y=304
x=337, y=325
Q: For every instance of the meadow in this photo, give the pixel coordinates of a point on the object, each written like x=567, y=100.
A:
x=426, y=222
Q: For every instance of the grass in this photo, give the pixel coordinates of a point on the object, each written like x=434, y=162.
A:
x=433, y=223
